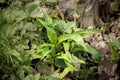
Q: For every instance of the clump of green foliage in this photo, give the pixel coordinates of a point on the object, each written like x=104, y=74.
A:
x=25, y=36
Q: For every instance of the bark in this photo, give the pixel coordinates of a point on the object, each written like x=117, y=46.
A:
x=90, y=17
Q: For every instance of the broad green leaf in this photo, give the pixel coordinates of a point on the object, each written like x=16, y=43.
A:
x=77, y=60
x=66, y=57
x=66, y=46
x=79, y=40
x=75, y=37
x=94, y=52
x=67, y=70
x=43, y=50
x=70, y=58
x=73, y=59
x=52, y=35
x=64, y=73
x=65, y=37
x=88, y=32
x=42, y=53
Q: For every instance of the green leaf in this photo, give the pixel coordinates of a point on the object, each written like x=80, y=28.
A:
x=67, y=70
x=66, y=46
x=42, y=53
x=43, y=23
x=94, y=52
x=77, y=60
x=88, y=32
x=66, y=57
x=64, y=73
x=43, y=50
x=70, y=58
x=64, y=37
x=75, y=37
x=79, y=40
x=52, y=35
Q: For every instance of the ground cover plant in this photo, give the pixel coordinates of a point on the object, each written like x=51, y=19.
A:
x=40, y=41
